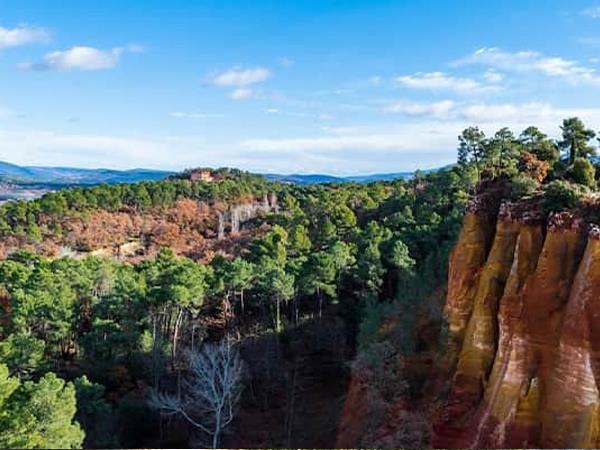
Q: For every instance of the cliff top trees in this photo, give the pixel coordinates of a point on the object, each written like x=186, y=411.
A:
x=495, y=156
x=532, y=155
x=502, y=152
x=538, y=144
x=583, y=172
x=576, y=138
x=471, y=148
x=560, y=195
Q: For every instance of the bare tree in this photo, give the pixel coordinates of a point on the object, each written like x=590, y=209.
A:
x=211, y=390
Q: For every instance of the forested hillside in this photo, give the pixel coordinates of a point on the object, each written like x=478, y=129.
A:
x=227, y=310
x=509, y=364
x=286, y=288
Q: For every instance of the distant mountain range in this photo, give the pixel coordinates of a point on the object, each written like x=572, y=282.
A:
x=313, y=179
x=67, y=176
x=55, y=177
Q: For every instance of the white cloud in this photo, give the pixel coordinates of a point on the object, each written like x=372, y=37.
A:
x=593, y=12
x=493, y=77
x=78, y=58
x=188, y=115
x=361, y=142
x=381, y=146
x=531, y=61
x=440, y=81
x=339, y=91
x=237, y=77
x=482, y=113
x=38, y=147
x=439, y=109
x=22, y=35
x=341, y=130
x=424, y=135
x=34, y=147
x=299, y=114
x=475, y=112
x=241, y=80
x=242, y=94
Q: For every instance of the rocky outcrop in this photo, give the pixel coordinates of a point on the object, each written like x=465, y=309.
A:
x=236, y=215
x=522, y=364
x=571, y=413
x=525, y=334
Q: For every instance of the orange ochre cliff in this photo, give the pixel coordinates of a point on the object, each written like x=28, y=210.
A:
x=523, y=353
x=524, y=328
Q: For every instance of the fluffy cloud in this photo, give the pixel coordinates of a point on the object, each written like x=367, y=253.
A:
x=440, y=81
x=240, y=77
x=22, y=35
x=417, y=109
x=427, y=135
x=377, y=147
x=78, y=58
x=365, y=142
x=531, y=61
x=493, y=77
x=242, y=94
x=188, y=115
x=476, y=112
x=241, y=80
x=31, y=147
x=485, y=113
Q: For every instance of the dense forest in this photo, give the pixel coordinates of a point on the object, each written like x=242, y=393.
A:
x=187, y=345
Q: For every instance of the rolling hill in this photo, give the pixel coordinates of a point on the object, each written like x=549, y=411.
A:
x=55, y=177
x=67, y=176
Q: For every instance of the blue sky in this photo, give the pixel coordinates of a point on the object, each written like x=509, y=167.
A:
x=312, y=86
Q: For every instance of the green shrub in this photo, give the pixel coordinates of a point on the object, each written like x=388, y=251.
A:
x=583, y=172
x=522, y=186
x=560, y=195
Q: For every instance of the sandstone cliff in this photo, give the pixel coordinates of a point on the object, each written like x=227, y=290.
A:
x=524, y=331
x=521, y=364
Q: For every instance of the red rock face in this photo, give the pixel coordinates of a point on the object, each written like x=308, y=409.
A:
x=528, y=367
x=356, y=408
x=523, y=360
x=570, y=417
x=466, y=262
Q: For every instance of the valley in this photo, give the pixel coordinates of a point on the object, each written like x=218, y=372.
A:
x=452, y=309
x=299, y=224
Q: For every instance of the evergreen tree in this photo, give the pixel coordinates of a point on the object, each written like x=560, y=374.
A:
x=576, y=138
x=538, y=144
x=38, y=415
x=471, y=148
